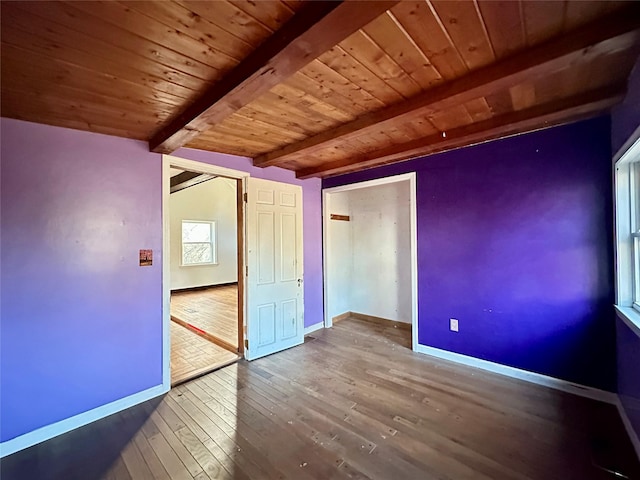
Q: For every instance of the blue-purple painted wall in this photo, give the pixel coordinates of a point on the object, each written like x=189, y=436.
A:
x=81, y=322
x=514, y=240
x=628, y=358
x=625, y=119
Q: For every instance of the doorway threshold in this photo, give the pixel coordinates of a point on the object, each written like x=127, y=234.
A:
x=211, y=338
x=193, y=355
x=199, y=373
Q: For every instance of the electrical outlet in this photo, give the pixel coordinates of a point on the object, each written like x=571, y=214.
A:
x=453, y=324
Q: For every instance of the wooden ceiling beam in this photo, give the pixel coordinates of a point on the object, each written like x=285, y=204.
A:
x=605, y=36
x=188, y=179
x=314, y=29
x=559, y=112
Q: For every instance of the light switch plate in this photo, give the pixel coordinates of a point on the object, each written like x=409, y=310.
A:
x=453, y=324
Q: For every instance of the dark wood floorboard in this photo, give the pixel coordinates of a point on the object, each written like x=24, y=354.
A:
x=351, y=402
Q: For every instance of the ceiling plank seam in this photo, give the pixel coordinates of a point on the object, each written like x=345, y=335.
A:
x=616, y=32
x=313, y=30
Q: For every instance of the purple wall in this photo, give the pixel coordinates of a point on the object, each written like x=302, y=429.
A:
x=514, y=241
x=628, y=342
x=77, y=311
x=625, y=118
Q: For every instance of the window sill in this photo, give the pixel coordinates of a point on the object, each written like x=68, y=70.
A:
x=631, y=317
x=189, y=265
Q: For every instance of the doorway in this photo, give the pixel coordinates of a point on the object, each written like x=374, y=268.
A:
x=370, y=252
x=204, y=273
x=203, y=216
x=270, y=300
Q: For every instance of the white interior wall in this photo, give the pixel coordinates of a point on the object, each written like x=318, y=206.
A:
x=381, y=251
x=214, y=200
x=338, y=262
x=369, y=257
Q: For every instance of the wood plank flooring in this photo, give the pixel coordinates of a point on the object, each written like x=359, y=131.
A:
x=352, y=402
x=213, y=310
x=192, y=355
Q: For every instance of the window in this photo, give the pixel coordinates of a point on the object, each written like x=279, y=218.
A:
x=627, y=206
x=634, y=207
x=198, y=242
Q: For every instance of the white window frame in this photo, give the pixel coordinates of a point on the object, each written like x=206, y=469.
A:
x=627, y=230
x=634, y=193
x=213, y=242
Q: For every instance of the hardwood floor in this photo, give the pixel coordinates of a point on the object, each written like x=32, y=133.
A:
x=213, y=310
x=352, y=402
x=192, y=355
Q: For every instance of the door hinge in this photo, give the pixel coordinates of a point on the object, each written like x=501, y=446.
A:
x=246, y=344
x=246, y=271
x=245, y=197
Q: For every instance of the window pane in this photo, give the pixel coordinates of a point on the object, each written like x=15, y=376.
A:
x=196, y=232
x=196, y=253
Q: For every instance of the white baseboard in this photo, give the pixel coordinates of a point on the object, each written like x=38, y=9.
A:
x=633, y=435
x=63, y=426
x=313, y=328
x=45, y=433
x=513, y=372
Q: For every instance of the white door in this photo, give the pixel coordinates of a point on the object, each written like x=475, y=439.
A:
x=275, y=316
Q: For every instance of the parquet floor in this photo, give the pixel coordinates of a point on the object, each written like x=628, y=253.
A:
x=213, y=310
x=352, y=402
x=192, y=355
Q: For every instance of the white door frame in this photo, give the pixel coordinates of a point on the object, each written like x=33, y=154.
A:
x=169, y=161
x=327, y=192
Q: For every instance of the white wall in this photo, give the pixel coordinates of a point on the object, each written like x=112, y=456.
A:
x=369, y=257
x=214, y=200
x=381, y=265
x=339, y=259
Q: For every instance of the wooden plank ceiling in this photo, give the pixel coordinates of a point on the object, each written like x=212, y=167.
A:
x=320, y=88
